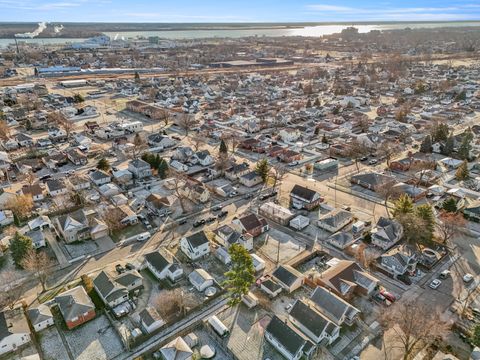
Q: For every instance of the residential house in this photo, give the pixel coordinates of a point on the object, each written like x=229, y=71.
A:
x=6, y=195
x=75, y=306
x=288, y=278
x=347, y=278
x=236, y=171
x=139, y=168
x=162, y=265
x=160, y=141
x=195, y=246
x=114, y=290
x=36, y=191
x=276, y=213
x=289, y=156
x=79, y=182
x=37, y=237
x=290, y=135
x=56, y=187
x=77, y=157
x=40, y=317
x=250, y=224
x=73, y=226
x=304, y=198
x=341, y=240
x=399, y=261
x=334, y=220
x=373, y=181
x=334, y=307
x=177, y=349
x=160, y=204
x=195, y=190
x=24, y=140
x=227, y=236
x=250, y=179
x=386, y=233
x=99, y=177
x=204, y=158
x=126, y=214
x=122, y=177
x=14, y=330
x=271, y=287
x=287, y=341
x=182, y=153
x=313, y=323
x=472, y=211
x=200, y=279
x=150, y=320
x=6, y=217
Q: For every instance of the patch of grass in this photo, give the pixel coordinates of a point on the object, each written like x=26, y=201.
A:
x=127, y=232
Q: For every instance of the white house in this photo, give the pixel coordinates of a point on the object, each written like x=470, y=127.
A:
x=195, y=246
x=200, y=279
x=250, y=179
x=56, y=187
x=286, y=340
x=6, y=217
x=14, y=330
x=290, y=135
x=40, y=317
x=99, y=177
x=386, y=233
x=335, y=220
x=139, y=168
x=204, y=158
x=150, y=320
x=288, y=278
x=162, y=266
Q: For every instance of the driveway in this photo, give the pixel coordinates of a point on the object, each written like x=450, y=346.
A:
x=53, y=243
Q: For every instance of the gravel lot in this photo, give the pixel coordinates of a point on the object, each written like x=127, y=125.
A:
x=87, y=343
x=52, y=345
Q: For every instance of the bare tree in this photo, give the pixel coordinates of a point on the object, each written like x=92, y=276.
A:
x=197, y=142
x=415, y=325
x=178, y=182
x=21, y=205
x=39, y=264
x=387, y=150
x=278, y=173
x=61, y=121
x=448, y=226
x=112, y=217
x=12, y=291
x=357, y=150
x=173, y=303
x=186, y=123
x=4, y=130
x=139, y=144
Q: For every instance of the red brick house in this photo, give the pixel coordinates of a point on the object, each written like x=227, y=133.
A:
x=75, y=306
x=251, y=224
x=276, y=150
x=289, y=156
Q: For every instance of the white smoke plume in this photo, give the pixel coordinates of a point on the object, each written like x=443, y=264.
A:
x=41, y=27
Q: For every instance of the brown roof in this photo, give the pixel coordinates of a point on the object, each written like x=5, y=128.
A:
x=33, y=190
x=345, y=272
x=251, y=222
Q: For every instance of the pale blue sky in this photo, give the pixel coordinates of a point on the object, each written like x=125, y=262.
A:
x=237, y=11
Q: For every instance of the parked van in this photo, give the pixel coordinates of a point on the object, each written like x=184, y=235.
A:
x=444, y=274
x=218, y=326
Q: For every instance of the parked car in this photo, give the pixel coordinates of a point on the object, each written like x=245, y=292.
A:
x=435, y=284
x=388, y=296
x=129, y=266
x=217, y=207
x=293, y=163
x=373, y=162
x=210, y=219
x=182, y=221
x=222, y=214
x=199, y=223
x=143, y=236
x=444, y=274
x=467, y=278
x=119, y=268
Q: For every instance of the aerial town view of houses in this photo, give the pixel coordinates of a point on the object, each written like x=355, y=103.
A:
x=255, y=197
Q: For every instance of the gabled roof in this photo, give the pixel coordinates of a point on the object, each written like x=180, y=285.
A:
x=331, y=305
x=39, y=314
x=158, y=260
x=286, y=274
x=251, y=222
x=109, y=289
x=177, y=349
x=285, y=335
x=303, y=193
x=307, y=315
x=74, y=302
x=197, y=239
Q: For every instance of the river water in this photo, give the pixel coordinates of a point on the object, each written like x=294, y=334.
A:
x=318, y=30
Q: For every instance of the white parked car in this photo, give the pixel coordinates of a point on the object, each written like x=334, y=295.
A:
x=435, y=284
x=467, y=278
x=143, y=236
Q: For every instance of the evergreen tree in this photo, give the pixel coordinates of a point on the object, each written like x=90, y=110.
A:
x=324, y=139
x=466, y=145
x=103, y=164
x=425, y=213
x=137, y=76
x=263, y=169
x=157, y=161
x=426, y=146
x=448, y=148
x=19, y=248
x=28, y=125
x=316, y=102
x=476, y=335
x=163, y=169
x=309, y=104
x=450, y=205
x=404, y=205
x=462, y=172
x=440, y=132
x=241, y=275
x=223, y=148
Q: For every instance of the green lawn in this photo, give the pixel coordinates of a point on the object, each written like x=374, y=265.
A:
x=127, y=232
